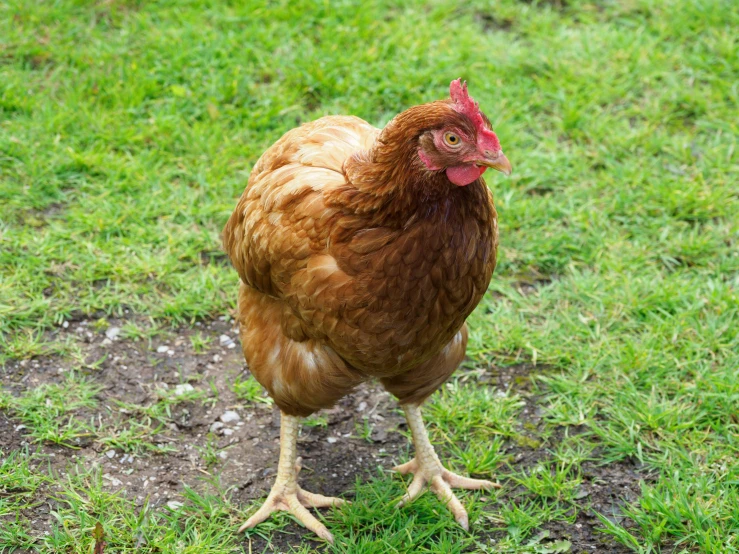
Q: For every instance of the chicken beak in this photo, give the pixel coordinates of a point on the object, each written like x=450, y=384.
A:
x=499, y=162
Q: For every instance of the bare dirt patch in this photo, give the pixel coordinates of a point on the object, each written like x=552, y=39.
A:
x=246, y=448
x=10, y=436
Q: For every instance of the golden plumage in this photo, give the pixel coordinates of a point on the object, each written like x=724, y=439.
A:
x=337, y=285
x=361, y=253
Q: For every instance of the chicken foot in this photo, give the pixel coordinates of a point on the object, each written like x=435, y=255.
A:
x=286, y=494
x=427, y=468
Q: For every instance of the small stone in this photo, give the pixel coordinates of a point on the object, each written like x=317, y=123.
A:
x=332, y=440
x=378, y=434
x=110, y=454
x=65, y=324
x=170, y=352
x=229, y=416
x=179, y=390
x=227, y=341
x=113, y=480
x=112, y=332
x=362, y=406
x=20, y=427
x=174, y=505
x=228, y=432
x=216, y=358
x=222, y=455
x=162, y=349
x=106, y=342
x=216, y=426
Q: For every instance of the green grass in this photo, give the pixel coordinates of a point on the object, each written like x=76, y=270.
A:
x=250, y=391
x=127, y=130
x=202, y=525
x=49, y=411
x=18, y=485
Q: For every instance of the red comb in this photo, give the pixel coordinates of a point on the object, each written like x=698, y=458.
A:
x=464, y=104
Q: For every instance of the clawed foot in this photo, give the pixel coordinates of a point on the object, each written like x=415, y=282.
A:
x=441, y=481
x=286, y=495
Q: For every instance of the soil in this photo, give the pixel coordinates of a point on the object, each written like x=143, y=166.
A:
x=333, y=454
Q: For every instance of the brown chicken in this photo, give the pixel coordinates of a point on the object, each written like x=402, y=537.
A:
x=361, y=253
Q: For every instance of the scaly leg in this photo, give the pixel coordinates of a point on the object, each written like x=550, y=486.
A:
x=427, y=468
x=286, y=494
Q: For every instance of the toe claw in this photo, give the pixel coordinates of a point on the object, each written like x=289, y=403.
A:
x=461, y=482
x=251, y=522
x=302, y=514
x=442, y=489
x=318, y=500
x=260, y=515
x=295, y=502
x=441, y=481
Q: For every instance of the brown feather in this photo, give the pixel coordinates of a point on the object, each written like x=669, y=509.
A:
x=358, y=262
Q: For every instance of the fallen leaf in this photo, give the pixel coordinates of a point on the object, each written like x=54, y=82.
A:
x=98, y=535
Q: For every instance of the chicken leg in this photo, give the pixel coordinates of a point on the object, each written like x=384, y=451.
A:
x=286, y=494
x=427, y=468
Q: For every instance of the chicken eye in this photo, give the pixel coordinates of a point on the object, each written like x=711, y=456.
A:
x=451, y=139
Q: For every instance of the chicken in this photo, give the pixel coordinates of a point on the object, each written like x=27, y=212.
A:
x=361, y=252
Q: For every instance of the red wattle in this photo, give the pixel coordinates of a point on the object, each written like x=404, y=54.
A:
x=463, y=175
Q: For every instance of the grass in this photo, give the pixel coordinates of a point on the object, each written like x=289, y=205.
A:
x=127, y=130
x=250, y=391
x=82, y=501
x=54, y=413
x=48, y=411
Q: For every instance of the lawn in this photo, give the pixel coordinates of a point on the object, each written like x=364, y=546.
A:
x=602, y=382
